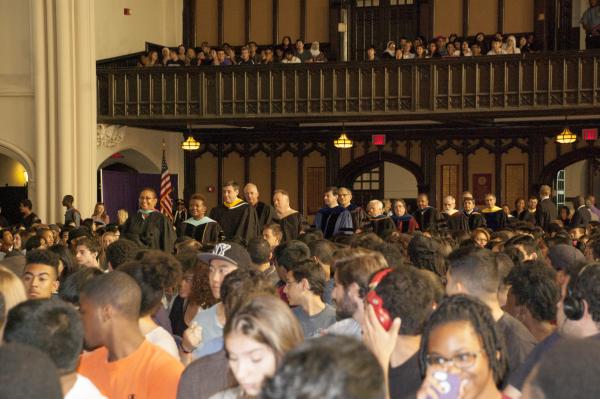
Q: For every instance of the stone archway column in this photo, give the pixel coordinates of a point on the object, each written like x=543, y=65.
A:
x=65, y=105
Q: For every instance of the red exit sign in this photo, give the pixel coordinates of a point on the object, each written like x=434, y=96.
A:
x=378, y=139
x=590, y=134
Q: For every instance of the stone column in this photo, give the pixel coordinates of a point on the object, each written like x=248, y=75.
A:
x=65, y=105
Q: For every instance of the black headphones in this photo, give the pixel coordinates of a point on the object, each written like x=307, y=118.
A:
x=573, y=302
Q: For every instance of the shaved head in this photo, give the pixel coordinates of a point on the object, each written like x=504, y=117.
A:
x=251, y=193
x=118, y=290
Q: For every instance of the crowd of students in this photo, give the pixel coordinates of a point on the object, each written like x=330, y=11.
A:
x=251, y=301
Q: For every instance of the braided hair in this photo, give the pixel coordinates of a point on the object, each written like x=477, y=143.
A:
x=472, y=310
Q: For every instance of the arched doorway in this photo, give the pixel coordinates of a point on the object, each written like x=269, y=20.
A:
x=382, y=175
x=14, y=184
x=574, y=173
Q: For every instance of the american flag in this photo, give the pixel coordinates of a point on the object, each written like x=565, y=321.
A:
x=166, y=190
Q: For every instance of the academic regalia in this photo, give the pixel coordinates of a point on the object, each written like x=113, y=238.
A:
x=291, y=226
x=456, y=222
x=380, y=225
x=519, y=215
x=238, y=221
x=334, y=221
x=476, y=220
x=495, y=218
x=427, y=218
x=358, y=215
x=204, y=230
x=180, y=217
x=151, y=230
x=405, y=223
x=265, y=213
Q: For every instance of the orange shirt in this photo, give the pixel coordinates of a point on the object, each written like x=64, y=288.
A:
x=147, y=373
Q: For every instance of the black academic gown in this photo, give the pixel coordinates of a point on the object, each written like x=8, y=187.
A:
x=30, y=220
x=155, y=231
x=379, y=225
x=265, y=213
x=291, y=226
x=239, y=223
x=359, y=216
x=476, y=220
x=206, y=233
x=496, y=219
x=528, y=216
x=455, y=222
x=546, y=213
x=427, y=218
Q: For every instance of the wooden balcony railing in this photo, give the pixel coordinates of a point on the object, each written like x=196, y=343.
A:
x=534, y=84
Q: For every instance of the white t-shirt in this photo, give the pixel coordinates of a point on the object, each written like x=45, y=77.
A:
x=84, y=389
x=165, y=341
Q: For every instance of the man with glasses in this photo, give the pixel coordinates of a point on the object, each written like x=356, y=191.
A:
x=453, y=218
x=359, y=216
x=148, y=227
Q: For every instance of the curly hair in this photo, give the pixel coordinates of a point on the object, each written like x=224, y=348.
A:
x=476, y=313
x=533, y=285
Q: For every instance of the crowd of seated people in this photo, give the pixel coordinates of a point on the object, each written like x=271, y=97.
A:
x=247, y=300
x=297, y=52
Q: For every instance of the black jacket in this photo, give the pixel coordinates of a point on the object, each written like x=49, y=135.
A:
x=546, y=213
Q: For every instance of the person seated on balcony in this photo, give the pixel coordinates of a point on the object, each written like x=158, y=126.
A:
x=174, y=60
x=166, y=56
x=181, y=52
x=476, y=50
x=452, y=51
x=480, y=41
x=511, y=45
x=498, y=36
x=300, y=52
x=278, y=56
x=143, y=60
x=220, y=58
x=286, y=43
x=398, y=54
x=465, y=50
x=590, y=21
x=390, y=51
x=420, y=51
x=440, y=42
x=203, y=57
x=254, y=54
x=231, y=56
x=268, y=56
x=191, y=57
x=407, y=53
x=316, y=53
x=290, y=58
x=371, y=54
x=246, y=58
x=432, y=50
x=419, y=40
x=452, y=37
x=496, y=48
x=153, y=58
x=523, y=45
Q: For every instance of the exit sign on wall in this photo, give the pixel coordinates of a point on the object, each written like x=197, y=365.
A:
x=378, y=139
x=590, y=134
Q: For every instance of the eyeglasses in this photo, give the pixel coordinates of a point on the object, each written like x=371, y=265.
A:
x=460, y=360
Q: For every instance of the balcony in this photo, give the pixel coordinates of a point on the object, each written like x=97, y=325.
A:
x=431, y=89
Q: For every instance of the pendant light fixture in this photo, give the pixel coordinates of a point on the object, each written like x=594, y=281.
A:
x=190, y=144
x=566, y=136
x=343, y=141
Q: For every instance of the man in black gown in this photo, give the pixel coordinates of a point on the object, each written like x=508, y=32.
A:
x=148, y=227
x=454, y=220
x=476, y=219
x=427, y=217
x=333, y=219
x=264, y=212
x=235, y=216
x=359, y=216
x=378, y=222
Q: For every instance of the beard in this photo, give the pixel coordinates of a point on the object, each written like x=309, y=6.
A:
x=346, y=308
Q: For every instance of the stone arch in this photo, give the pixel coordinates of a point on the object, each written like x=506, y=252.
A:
x=551, y=169
x=134, y=159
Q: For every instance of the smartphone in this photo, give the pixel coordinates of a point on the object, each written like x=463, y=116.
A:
x=448, y=385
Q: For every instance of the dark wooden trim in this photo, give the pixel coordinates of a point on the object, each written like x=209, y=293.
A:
x=220, y=173
x=303, y=19
x=189, y=174
x=465, y=166
x=247, y=162
x=189, y=23
x=273, y=157
x=465, y=24
x=498, y=171
x=220, y=22
x=300, y=177
x=275, y=21
x=500, y=16
x=248, y=19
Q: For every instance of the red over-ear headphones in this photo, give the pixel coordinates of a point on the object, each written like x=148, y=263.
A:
x=375, y=300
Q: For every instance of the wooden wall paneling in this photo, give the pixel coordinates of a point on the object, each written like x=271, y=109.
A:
x=189, y=174
x=273, y=156
x=498, y=170
x=259, y=175
x=206, y=166
x=302, y=20
x=518, y=15
x=288, y=19
x=449, y=182
x=287, y=176
x=247, y=19
x=207, y=26
x=317, y=16
x=234, y=22
x=221, y=21
x=262, y=21
x=246, y=162
x=500, y=24
x=275, y=38
x=448, y=17
x=220, y=173
x=465, y=18
x=189, y=23
x=315, y=183
x=483, y=17
x=300, y=177
x=515, y=182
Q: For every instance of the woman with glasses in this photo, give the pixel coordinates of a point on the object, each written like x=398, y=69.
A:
x=462, y=351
